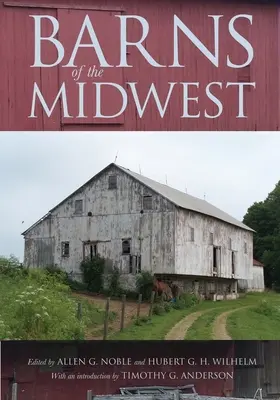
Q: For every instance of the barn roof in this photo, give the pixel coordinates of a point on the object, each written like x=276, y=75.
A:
x=186, y=201
x=178, y=198
x=257, y=263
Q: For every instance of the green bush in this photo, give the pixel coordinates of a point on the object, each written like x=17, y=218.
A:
x=93, y=271
x=144, y=284
x=77, y=286
x=158, y=309
x=114, y=288
x=189, y=299
x=267, y=309
x=167, y=307
x=179, y=305
x=185, y=300
x=39, y=307
x=10, y=266
x=57, y=273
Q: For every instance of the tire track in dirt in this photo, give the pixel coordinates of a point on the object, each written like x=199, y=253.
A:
x=178, y=332
x=116, y=307
x=220, y=325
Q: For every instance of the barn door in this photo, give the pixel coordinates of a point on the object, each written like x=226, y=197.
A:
x=272, y=374
x=249, y=378
x=90, y=250
x=71, y=22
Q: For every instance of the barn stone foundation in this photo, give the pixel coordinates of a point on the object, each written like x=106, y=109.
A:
x=204, y=287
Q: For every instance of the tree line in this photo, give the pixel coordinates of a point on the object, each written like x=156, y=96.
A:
x=264, y=218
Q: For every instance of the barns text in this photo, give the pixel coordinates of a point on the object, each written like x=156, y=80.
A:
x=90, y=101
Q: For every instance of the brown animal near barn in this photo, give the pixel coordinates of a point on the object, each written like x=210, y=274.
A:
x=162, y=289
x=176, y=291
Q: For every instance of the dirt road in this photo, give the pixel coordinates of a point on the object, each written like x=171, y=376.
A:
x=220, y=325
x=178, y=332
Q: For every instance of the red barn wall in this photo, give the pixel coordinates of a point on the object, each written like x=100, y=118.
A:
x=36, y=384
x=17, y=78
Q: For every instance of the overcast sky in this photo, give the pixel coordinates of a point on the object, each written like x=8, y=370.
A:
x=38, y=170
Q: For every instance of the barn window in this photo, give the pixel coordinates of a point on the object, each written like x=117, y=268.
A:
x=112, y=182
x=245, y=248
x=126, y=245
x=65, y=249
x=211, y=238
x=233, y=263
x=135, y=264
x=130, y=264
x=147, y=202
x=138, y=268
x=216, y=259
x=192, y=234
x=78, y=206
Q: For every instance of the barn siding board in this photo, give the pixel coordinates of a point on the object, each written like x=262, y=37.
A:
x=272, y=375
x=199, y=254
x=262, y=104
x=256, y=284
x=265, y=375
x=253, y=374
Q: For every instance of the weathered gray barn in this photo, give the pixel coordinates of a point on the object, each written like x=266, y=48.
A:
x=256, y=283
x=138, y=224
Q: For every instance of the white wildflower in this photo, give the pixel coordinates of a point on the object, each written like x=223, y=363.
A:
x=29, y=301
x=46, y=314
x=38, y=315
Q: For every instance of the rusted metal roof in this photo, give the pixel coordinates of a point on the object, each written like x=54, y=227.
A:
x=178, y=198
x=257, y=263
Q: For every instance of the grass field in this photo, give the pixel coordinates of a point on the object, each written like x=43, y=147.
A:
x=258, y=323
x=240, y=324
x=39, y=305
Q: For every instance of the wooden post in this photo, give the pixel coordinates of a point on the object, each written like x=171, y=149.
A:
x=106, y=319
x=14, y=391
x=123, y=311
x=138, y=307
x=152, y=304
x=79, y=311
x=89, y=395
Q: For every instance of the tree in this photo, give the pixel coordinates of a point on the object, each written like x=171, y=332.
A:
x=264, y=218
